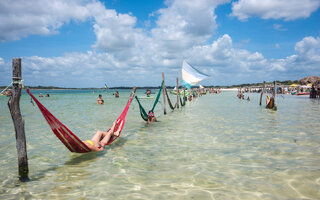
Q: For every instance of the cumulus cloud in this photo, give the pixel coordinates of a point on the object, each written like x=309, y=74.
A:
x=90, y=69
x=114, y=31
x=220, y=59
x=20, y=18
x=124, y=55
x=185, y=23
x=274, y=9
x=308, y=51
x=305, y=61
x=180, y=26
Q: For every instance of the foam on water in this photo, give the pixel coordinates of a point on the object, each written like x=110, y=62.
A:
x=217, y=147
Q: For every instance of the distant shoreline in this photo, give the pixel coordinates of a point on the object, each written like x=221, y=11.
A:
x=288, y=82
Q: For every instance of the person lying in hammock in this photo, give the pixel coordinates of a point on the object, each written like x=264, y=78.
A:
x=151, y=117
x=100, y=139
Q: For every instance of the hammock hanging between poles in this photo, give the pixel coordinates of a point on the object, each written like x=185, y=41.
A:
x=169, y=101
x=143, y=112
x=70, y=140
x=183, y=103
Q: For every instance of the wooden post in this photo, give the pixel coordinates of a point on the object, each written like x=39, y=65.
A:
x=177, y=93
x=274, y=89
x=262, y=91
x=274, y=95
x=164, y=95
x=184, y=89
x=18, y=122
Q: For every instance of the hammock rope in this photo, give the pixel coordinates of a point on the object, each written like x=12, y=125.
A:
x=143, y=112
x=169, y=101
x=184, y=101
x=69, y=139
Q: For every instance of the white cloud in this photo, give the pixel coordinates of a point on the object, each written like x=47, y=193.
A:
x=1, y=61
x=124, y=55
x=279, y=27
x=220, y=59
x=114, y=31
x=185, y=23
x=308, y=51
x=274, y=9
x=20, y=18
x=305, y=62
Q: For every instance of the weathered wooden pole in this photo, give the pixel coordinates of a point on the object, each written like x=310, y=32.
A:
x=164, y=95
x=177, y=93
x=262, y=91
x=274, y=95
x=18, y=122
x=183, y=88
x=274, y=89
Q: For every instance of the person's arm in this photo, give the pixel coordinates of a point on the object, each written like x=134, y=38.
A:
x=100, y=148
x=93, y=147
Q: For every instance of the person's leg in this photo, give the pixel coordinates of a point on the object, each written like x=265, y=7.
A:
x=117, y=133
x=111, y=133
x=106, y=138
x=96, y=138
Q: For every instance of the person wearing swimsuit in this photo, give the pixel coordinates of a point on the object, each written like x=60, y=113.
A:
x=151, y=117
x=100, y=100
x=100, y=139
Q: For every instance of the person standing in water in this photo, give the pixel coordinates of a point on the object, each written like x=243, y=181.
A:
x=100, y=100
x=151, y=117
x=148, y=92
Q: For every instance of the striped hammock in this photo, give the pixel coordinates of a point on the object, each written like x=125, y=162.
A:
x=69, y=139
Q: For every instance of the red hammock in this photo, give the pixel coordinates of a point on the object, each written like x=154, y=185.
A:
x=70, y=140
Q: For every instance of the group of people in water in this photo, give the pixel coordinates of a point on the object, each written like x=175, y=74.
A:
x=101, y=101
x=151, y=117
x=240, y=95
x=41, y=95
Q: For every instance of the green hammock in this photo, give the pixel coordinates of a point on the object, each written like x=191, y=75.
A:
x=143, y=112
x=184, y=100
x=169, y=101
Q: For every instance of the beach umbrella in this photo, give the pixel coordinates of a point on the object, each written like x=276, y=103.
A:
x=293, y=85
x=309, y=85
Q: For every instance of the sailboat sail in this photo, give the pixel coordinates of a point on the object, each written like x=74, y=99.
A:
x=191, y=76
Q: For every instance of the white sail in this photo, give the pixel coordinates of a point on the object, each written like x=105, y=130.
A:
x=191, y=76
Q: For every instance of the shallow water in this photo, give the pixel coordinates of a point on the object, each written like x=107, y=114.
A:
x=216, y=147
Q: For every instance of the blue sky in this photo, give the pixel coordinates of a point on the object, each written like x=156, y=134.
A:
x=87, y=43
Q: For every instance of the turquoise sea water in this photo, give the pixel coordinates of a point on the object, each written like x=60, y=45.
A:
x=216, y=147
